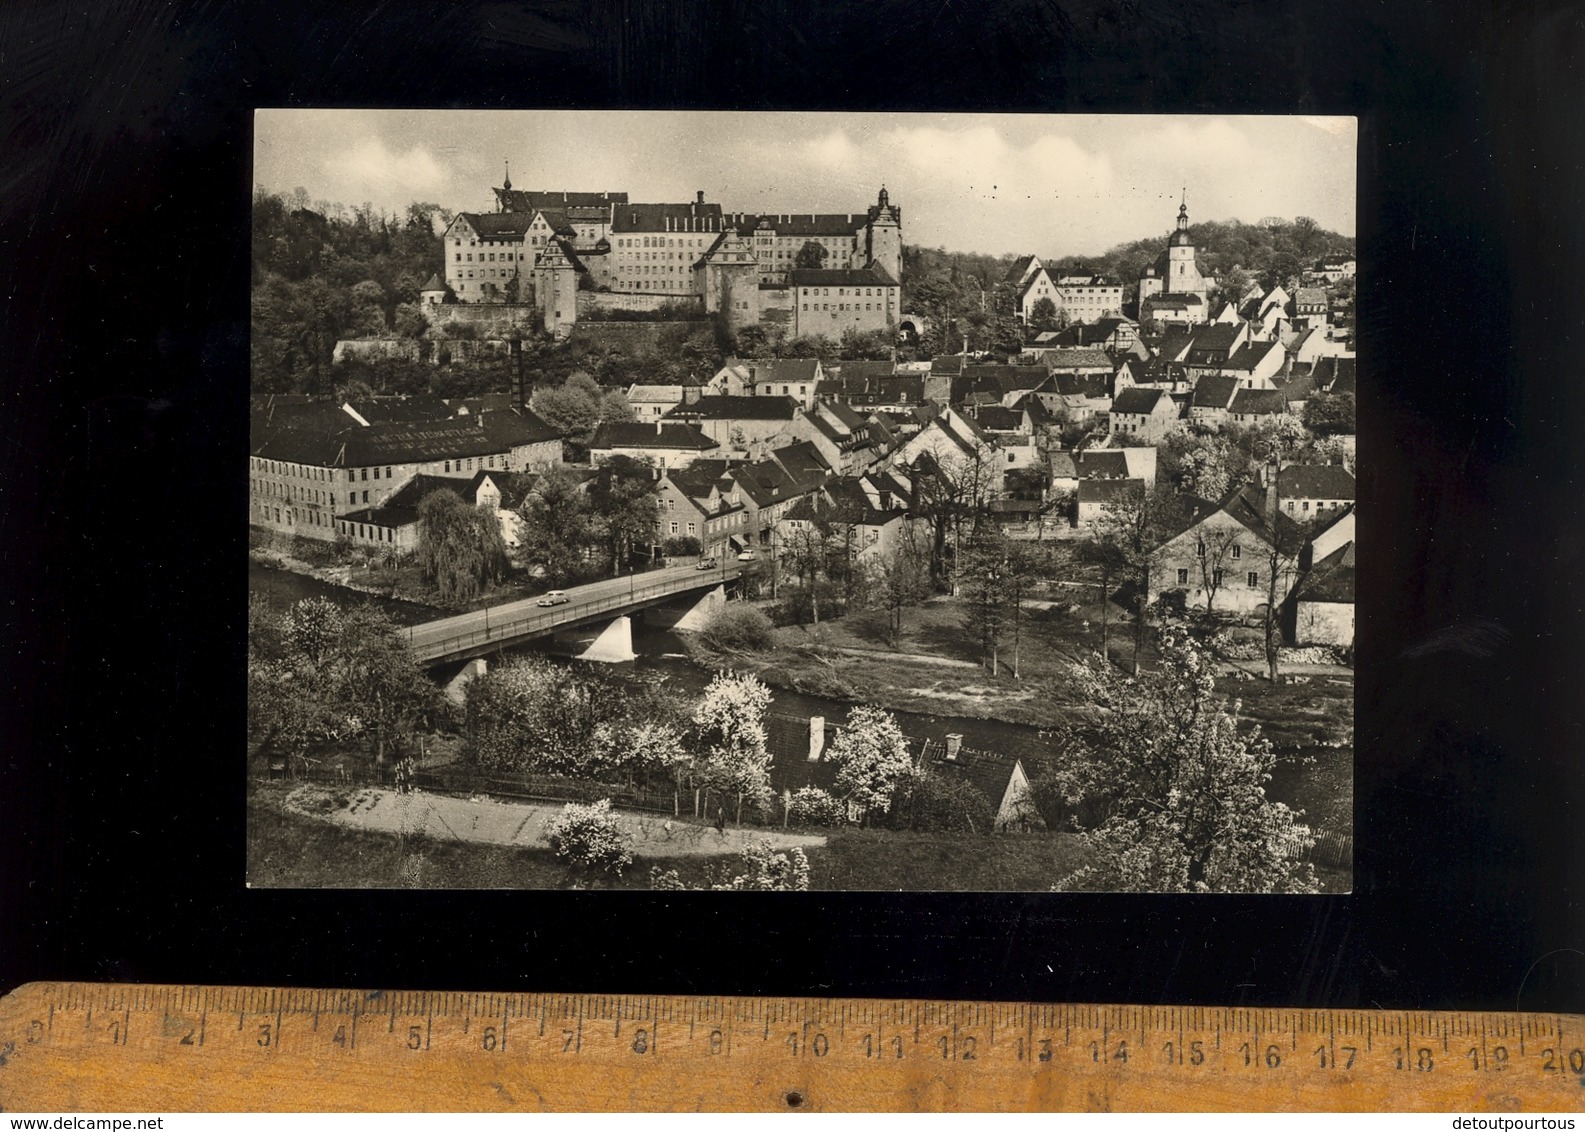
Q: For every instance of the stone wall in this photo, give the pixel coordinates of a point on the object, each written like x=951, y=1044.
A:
x=489, y=320
x=594, y=301
x=436, y=353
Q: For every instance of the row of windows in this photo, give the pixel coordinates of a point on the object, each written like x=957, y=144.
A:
x=1335, y=505
x=840, y=306
x=370, y=531
x=825, y=292
x=306, y=471
x=505, y=256
x=1236, y=550
x=294, y=491
x=658, y=242
x=1252, y=578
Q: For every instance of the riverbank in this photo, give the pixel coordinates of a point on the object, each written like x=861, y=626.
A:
x=935, y=669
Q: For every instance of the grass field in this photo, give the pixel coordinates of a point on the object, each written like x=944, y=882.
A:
x=287, y=850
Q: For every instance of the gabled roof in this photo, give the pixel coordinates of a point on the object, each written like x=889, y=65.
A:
x=1091, y=386
x=1076, y=359
x=1174, y=344
x=1015, y=271
x=1215, y=341
x=322, y=440
x=1334, y=374
x=637, y=392
x=988, y=772
x=1137, y=400
x=947, y=363
x=378, y=410
x=513, y=486
x=1258, y=401
x=1309, y=297
x=1105, y=491
x=412, y=493
x=1062, y=466
x=497, y=225
x=1250, y=355
x=433, y=283
x=803, y=462
x=1101, y=463
x=1214, y=391
x=785, y=369
x=725, y=407
x=1330, y=580
x=1315, y=481
x=639, y=434
x=998, y=419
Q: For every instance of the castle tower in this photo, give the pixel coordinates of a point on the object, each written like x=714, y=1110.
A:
x=556, y=290
x=506, y=187
x=883, y=236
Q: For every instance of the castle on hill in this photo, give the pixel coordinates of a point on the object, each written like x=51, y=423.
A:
x=557, y=250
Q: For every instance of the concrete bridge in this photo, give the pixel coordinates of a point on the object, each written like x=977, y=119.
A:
x=486, y=630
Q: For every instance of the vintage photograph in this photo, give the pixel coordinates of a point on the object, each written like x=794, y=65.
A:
x=801, y=501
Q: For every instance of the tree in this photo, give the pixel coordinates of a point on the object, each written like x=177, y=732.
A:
x=1043, y=315
x=982, y=573
x=811, y=256
x=625, y=501
x=378, y=680
x=730, y=720
x=591, y=837
x=765, y=870
x=1328, y=414
x=902, y=579
x=1284, y=541
x=1213, y=551
x=1181, y=790
x=572, y=408
x=556, y=526
x=460, y=548
x=311, y=629
x=1135, y=524
x=871, y=754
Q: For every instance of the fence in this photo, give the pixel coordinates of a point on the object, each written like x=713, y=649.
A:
x=1333, y=849
x=467, y=780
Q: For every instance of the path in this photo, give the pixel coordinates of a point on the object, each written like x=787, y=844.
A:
x=523, y=824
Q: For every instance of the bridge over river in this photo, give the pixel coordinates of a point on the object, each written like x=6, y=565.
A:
x=485, y=630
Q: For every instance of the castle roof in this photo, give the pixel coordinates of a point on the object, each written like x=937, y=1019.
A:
x=530, y=200
x=692, y=217
x=807, y=224
x=872, y=276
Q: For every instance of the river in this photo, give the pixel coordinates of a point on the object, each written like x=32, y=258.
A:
x=662, y=651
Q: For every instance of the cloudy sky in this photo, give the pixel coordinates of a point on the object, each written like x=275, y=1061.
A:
x=1049, y=184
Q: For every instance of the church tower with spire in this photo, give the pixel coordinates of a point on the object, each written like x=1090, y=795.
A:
x=1172, y=288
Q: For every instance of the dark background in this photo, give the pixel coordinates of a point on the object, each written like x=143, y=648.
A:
x=124, y=195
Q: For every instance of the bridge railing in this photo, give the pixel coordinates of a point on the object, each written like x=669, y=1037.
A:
x=553, y=617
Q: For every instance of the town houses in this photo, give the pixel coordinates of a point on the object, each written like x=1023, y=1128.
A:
x=1140, y=391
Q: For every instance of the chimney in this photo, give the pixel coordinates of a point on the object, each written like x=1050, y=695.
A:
x=699, y=197
x=954, y=745
x=817, y=737
x=658, y=422
x=1274, y=469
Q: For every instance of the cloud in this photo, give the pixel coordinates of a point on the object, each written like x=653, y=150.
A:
x=981, y=161
x=1192, y=146
x=369, y=167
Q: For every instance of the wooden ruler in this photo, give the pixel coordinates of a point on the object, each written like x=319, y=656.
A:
x=100, y=1047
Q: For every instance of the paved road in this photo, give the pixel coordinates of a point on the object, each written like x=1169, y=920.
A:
x=433, y=639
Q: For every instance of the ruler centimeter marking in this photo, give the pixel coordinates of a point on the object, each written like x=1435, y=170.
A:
x=440, y=1049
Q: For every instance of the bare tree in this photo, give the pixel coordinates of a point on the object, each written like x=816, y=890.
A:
x=1136, y=524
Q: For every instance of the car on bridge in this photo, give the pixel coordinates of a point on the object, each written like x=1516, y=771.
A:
x=706, y=564
x=554, y=597
x=746, y=556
